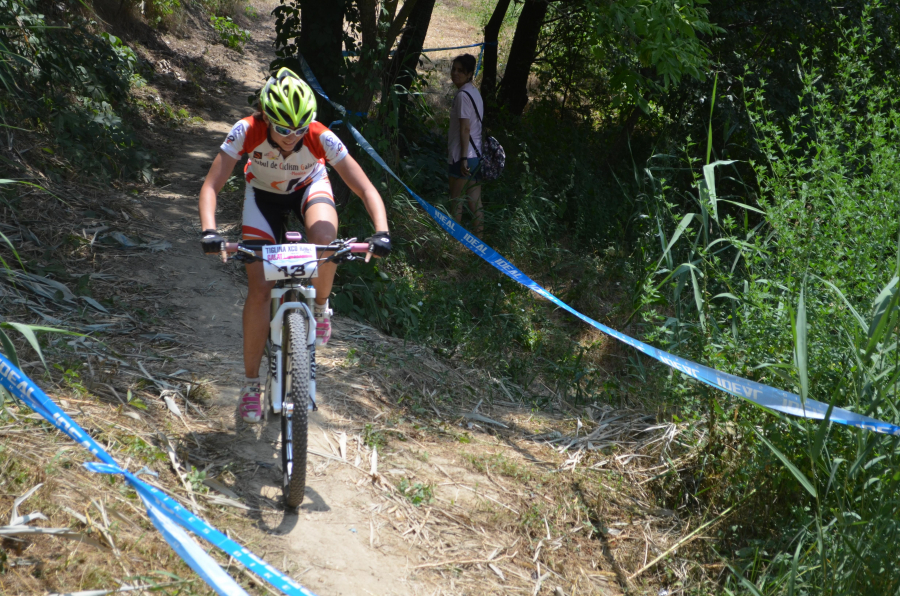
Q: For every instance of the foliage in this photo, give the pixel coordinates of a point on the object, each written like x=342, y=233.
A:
x=370, y=31
x=435, y=292
x=229, y=8
x=374, y=27
x=374, y=438
x=601, y=57
x=417, y=492
x=28, y=332
x=642, y=34
x=838, y=540
x=829, y=174
x=765, y=41
x=770, y=286
x=62, y=78
x=231, y=35
x=158, y=11
x=196, y=479
x=371, y=294
x=824, y=177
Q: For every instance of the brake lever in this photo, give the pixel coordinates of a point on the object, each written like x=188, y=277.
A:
x=345, y=258
x=246, y=255
x=342, y=254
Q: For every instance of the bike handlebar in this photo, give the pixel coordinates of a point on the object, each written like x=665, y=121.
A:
x=354, y=247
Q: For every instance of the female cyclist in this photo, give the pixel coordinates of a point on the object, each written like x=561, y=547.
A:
x=287, y=152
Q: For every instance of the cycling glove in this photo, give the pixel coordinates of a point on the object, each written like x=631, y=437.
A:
x=212, y=242
x=380, y=244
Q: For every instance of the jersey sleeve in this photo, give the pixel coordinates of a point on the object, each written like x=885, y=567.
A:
x=244, y=137
x=324, y=144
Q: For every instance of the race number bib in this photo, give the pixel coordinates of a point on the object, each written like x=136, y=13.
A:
x=287, y=261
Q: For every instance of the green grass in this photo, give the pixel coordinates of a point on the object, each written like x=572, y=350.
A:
x=499, y=463
x=417, y=492
x=478, y=12
x=374, y=439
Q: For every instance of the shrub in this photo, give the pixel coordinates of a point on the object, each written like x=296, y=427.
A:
x=73, y=83
x=231, y=35
x=158, y=11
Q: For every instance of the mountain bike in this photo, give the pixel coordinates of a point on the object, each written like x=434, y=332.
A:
x=291, y=384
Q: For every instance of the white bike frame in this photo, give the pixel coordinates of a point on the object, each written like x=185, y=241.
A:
x=276, y=358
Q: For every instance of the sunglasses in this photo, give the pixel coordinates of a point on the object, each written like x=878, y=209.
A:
x=286, y=132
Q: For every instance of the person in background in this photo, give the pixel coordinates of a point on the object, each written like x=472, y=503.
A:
x=464, y=142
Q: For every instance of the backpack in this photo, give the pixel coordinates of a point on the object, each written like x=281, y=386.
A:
x=492, y=156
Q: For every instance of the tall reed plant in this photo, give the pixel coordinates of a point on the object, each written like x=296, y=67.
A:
x=26, y=331
x=843, y=536
x=774, y=280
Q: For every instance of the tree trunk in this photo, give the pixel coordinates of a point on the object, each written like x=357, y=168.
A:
x=375, y=44
x=371, y=64
x=402, y=69
x=619, y=146
x=321, y=43
x=489, y=76
x=513, y=92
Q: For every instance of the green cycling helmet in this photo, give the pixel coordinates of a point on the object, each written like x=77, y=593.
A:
x=287, y=100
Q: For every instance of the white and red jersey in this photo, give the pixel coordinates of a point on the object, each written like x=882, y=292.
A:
x=268, y=170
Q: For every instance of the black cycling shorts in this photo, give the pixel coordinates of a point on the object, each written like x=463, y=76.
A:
x=265, y=212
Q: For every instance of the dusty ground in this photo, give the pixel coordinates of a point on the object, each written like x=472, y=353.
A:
x=425, y=477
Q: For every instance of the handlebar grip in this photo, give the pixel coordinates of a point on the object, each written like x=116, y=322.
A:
x=231, y=246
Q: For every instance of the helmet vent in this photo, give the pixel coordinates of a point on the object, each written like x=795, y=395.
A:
x=288, y=100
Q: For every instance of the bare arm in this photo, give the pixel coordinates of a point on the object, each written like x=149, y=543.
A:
x=465, y=127
x=218, y=175
x=359, y=183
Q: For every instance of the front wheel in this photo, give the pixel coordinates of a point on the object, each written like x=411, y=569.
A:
x=295, y=404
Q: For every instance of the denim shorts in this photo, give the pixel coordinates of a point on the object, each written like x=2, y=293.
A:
x=474, y=172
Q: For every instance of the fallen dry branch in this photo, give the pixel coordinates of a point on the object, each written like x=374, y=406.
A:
x=461, y=563
x=60, y=532
x=687, y=539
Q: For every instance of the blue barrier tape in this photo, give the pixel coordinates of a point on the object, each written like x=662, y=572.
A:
x=473, y=45
x=199, y=527
x=480, y=56
x=757, y=393
x=188, y=549
x=165, y=513
x=347, y=53
x=481, y=45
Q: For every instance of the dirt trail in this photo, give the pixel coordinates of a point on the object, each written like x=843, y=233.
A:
x=330, y=537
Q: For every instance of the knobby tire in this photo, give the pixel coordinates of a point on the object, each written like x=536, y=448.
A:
x=294, y=430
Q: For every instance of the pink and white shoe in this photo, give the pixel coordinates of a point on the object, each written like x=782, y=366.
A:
x=251, y=404
x=323, y=325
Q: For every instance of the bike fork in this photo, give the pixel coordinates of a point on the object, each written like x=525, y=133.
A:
x=288, y=442
x=276, y=366
x=312, y=375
